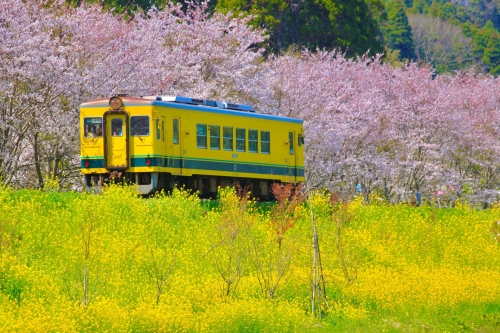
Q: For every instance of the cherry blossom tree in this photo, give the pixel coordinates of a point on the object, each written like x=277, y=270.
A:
x=41, y=73
x=390, y=130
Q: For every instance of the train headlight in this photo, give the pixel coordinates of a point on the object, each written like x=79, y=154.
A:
x=115, y=103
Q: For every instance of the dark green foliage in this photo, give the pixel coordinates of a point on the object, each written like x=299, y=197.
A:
x=481, y=38
x=478, y=12
x=316, y=25
x=461, y=14
x=482, y=11
x=492, y=53
x=356, y=28
x=344, y=24
x=419, y=7
x=397, y=32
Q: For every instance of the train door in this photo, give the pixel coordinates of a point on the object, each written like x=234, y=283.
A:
x=176, y=144
x=292, y=159
x=163, y=142
x=116, y=140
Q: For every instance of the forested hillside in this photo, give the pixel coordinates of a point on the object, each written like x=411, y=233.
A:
x=448, y=34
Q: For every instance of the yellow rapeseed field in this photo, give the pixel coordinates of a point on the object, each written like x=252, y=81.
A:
x=73, y=262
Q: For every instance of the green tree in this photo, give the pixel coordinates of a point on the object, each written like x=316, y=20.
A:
x=357, y=31
x=397, y=32
x=419, y=7
x=278, y=17
x=482, y=11
x=408, y=3
x=481, y=38
x=492, y=53
x=462, y=14
x=346, y=24
x=317, y=22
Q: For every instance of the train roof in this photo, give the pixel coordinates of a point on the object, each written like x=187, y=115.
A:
x=191, y=104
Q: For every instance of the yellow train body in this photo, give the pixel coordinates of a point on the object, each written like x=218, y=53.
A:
x=160, y=142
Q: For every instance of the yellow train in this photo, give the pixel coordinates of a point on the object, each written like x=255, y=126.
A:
x=159, y=142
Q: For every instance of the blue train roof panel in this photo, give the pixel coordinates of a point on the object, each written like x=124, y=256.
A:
x=193, y=104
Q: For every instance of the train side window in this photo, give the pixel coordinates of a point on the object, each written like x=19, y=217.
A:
x=240, y=139
x=139, y=125
x=215, y=137
x=176, y=131
x=227, y=140
x=265, y=142
x=300, y=140
x=201, y=136
x=92, y=127
x=253, y=141
x=290, y=142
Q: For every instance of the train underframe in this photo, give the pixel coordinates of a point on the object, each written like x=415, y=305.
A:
x=149, y=183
